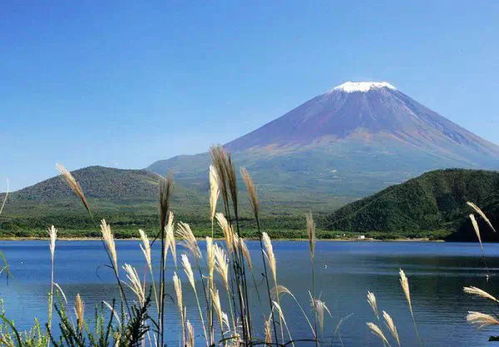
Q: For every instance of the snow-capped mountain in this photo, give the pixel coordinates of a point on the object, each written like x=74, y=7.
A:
x=352, y=140
x=368, y=112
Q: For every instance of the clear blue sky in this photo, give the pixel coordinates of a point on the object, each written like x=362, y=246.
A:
x=125, y=83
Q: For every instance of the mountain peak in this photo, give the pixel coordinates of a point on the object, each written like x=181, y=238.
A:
x=351, y=87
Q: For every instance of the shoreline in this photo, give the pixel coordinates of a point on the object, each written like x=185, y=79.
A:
x=424, y=239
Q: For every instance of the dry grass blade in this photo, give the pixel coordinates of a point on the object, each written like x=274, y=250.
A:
x=5, y=198
x=404, y=283
x=79, y=311
x=190, y=335
x=246, y=252
x=189, y=240
x=479, y=292
x=278, y=290
x=134, y=283
x=391, y=327
x=165, y=190
x=320, y=309
x=186, y=264
x=482, y=214
x=214, y=191
x=481, y=320
x=377, y=331
x=215, y=297
x=371, y=300
x=269, y=253
x=311, y=233
x=53, y=237
x=476, y=229
x=222, y=265
x=170, y=243
x=73, y=184
x=250, y=186
x=210, y=257
x=177, y=285
x=146, y=248
x=227, y=231
x=267, y=326
x=222, y=162
x=108, y=238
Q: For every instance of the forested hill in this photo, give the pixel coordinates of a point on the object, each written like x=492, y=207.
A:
x=433, y=201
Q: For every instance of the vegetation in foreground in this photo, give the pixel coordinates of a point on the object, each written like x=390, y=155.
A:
x=137, y=316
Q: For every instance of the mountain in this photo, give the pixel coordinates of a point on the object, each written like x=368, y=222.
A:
x=345, y=144
x=433, y=201
x=121, y=195
x=349, y=142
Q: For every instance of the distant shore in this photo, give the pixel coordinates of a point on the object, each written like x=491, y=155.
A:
x=423, y=239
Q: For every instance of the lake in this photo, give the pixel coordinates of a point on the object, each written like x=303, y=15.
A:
x=345, y=271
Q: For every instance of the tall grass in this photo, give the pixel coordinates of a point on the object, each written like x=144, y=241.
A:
x=219, y=279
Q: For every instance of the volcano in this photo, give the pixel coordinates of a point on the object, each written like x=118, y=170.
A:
x=351, y=141
x=369, y=112
x=345, y=144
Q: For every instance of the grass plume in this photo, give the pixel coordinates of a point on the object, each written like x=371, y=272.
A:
x=73, y=184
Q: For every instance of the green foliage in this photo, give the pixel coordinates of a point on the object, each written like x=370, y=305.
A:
x=433, y=201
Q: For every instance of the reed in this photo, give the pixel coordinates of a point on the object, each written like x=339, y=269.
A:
x=404, y=283
x=481, y=213
x=481, y=320
x=52, y=231
x=392, y=328
x=165, y=190
x=378, y=332
x=79, y=312
x=371, y=300
x=74, y=185
x=186, y=264
x=479, y=292
x=177, y=285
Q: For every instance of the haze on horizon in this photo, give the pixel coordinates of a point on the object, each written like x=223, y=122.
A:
x=126, y=84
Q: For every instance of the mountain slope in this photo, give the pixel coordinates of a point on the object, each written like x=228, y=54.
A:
x=433, y=201
x=350, y=141
x=110, y=192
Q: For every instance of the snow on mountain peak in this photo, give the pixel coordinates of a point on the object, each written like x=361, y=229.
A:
x=351, y=87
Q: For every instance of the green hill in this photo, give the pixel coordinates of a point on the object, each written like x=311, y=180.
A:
x=433, y=201
x=126, y=197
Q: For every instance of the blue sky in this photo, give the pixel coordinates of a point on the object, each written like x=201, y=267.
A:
x=125, y=83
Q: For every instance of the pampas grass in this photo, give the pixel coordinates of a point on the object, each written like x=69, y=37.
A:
x=320, y=309
x=250, y=187
x=79, y=312
x=311, y=233
x=371, y=300
x=391, y=327
x=189, y=240
x=214, y=192
x=378, y=332
x=227, y=231
x=73, y=184
x=52, y=231
x=134, y=283
x=108, y=238
x=479, y=292
x=480, y=212
x=186, y=264
x=404, y=283
x=481, y=320
x=269, y=253
x=476, y=229
x=177, y=285
x=5, y=198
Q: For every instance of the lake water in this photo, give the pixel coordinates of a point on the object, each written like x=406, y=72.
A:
x=345, y=271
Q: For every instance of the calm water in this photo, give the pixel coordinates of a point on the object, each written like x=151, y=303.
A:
x=345, y=272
